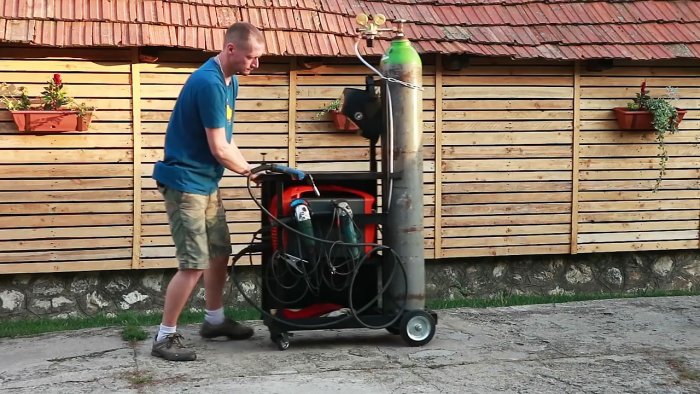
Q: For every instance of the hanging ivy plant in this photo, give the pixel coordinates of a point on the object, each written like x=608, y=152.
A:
x=664, y=120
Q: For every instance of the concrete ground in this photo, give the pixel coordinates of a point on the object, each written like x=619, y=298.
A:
x=644, y=345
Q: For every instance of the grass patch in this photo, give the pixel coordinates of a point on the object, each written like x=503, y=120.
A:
x=134, y=322
x=512, y=300
x=684, y=371
x=133, y=333
x=139, y=378
x=16, y=328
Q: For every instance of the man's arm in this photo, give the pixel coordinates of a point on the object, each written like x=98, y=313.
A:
x=227, y=154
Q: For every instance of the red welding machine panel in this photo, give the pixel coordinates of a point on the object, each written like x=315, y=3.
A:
x=305, y=191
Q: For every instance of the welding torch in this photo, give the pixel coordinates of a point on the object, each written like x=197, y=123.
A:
x=295, y=173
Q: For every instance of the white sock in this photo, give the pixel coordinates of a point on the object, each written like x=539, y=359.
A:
x=164, y=331
x=214, y=317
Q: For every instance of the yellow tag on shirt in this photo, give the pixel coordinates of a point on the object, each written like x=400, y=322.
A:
x=229, y=113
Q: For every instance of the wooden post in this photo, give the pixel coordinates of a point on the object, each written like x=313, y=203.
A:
x=136, y=127
x=575, y=158
x=438, y=157
x=292, y=119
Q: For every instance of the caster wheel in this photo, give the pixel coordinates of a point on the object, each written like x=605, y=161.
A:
x=282, y=341
x=417, y=328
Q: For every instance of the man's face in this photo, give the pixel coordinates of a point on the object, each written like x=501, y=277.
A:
x=243, y=59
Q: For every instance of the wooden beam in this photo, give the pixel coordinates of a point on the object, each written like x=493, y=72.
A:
x=438, y=156
x=575, y=158
x=292, y=114
x=136, y=127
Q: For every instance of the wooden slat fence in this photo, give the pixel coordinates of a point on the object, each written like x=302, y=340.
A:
x=518, y=165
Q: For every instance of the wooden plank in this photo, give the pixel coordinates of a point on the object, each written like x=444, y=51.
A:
x=575, y=148
x=69, y=196
x=667, y=184
x=506, y=187
x=481, y=198
x=508, y=80
x=510, y=104
x=69, y=79
x=136, y=127
x=509, y=138
x=65, y=184
x=509, y=165
x=65, y=232
x=506, y=92
x=65, y=255
x=628, y=137
x=53, y=171
x=506, y=151
x=58, y=208
x=60, y=244
x=638, y=226
x=61, y=66
x=506, y=230
x=506, y=125
x=506, y=250
x=503, y=220
x=637, y=236
x=645, y=205
x=637, y=216
x=638, y=246
x=73, y=266
x=511, y=176
x=634, y=163
x=637, y=150
x=54, y=220
x=638, y=176
x=481, y=241
x=510, y=115
x=292, y=115
x=65, y=156
x=437, y=252
x=639, y=195
x=506, y=209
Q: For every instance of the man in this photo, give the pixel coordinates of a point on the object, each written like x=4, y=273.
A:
x=198, y=146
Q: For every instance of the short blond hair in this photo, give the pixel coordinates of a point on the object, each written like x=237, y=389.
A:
x=242, y=34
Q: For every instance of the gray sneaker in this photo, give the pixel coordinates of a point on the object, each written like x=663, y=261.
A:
x=172, y=349
x=229, y=328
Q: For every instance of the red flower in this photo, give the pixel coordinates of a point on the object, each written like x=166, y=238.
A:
x=57, y=79
x=644, y=88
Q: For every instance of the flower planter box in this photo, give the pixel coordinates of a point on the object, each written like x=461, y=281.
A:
x=638, y=120
x=342, y=122
x=51, y=121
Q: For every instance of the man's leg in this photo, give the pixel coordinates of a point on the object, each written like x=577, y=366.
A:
x=186, y=214
x=214, y=281
x=178, y=293
x=215, y=324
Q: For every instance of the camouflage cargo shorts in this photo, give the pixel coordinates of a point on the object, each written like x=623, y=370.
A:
x=198, y=226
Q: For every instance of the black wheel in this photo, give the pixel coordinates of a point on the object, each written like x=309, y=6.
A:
x=283, y=341
x=417, y=327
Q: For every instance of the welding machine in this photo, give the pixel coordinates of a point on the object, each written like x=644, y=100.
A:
x=324, y=265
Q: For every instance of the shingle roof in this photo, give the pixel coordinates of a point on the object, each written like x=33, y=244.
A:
x=554, y=29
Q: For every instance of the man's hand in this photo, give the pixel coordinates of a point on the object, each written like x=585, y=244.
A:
x=254, y=177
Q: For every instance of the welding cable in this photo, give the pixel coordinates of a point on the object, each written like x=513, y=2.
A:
x=354, y=313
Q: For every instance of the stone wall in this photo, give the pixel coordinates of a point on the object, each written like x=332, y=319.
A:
x=76, y=294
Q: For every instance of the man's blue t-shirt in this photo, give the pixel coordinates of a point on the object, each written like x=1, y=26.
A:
x=204, y=101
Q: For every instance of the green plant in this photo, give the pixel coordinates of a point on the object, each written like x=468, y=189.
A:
x=665, y=120
x=15, y=99
x=333, y=106
x=52, y=98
